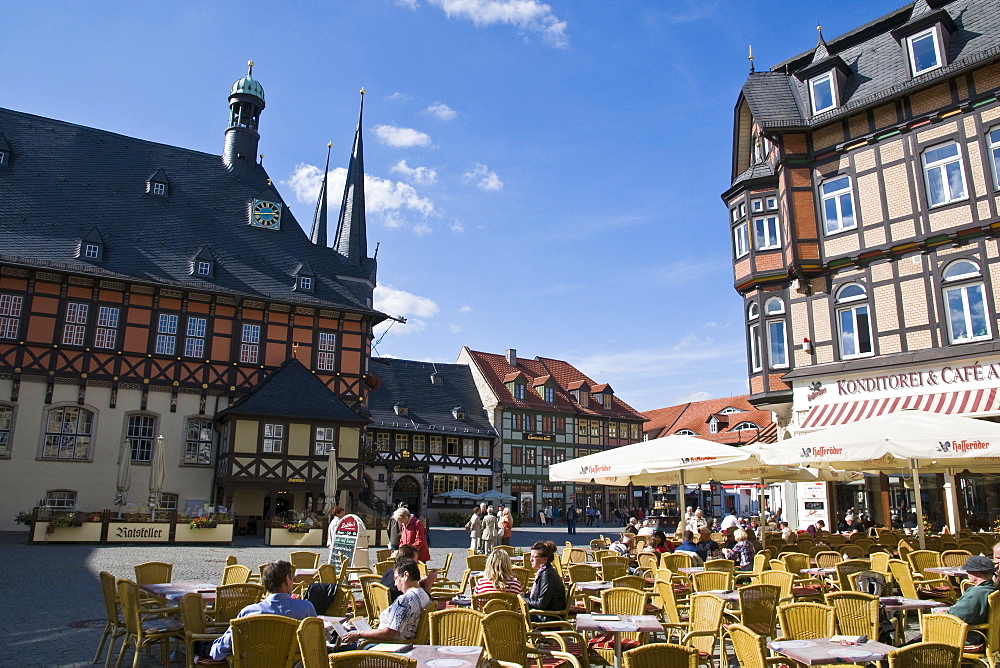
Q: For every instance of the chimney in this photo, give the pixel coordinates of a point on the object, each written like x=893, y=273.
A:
x=511, y=357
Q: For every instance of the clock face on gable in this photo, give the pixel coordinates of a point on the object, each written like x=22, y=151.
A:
x=267, y=214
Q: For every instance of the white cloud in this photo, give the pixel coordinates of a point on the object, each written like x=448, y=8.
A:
x=455, y=329
x=401, y=303
x=441, y=111
x=421, y=229
x=422, y=175
x=409, y=4
x=456, y=226
x=393, y=135
x=465, y=309
x=385, y=199
x=695, y=396
x=527, y=15
x=712, y=324
x=483, y=177
x=397, y=96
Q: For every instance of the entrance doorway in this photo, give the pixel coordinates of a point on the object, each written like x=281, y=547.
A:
x=407, y=490
x=282, y=503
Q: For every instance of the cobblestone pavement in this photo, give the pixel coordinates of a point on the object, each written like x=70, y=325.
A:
x=55, y=613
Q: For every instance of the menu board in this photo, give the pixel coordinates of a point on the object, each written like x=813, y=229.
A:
x=345, y=538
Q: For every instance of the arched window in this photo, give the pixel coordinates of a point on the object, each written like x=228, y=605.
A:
x=854, y=321
x=60, y=499
x=744, y=425
x=965, y=301
x=685, y=432
x=753, y=335
x=777, y=341
x=68, y=431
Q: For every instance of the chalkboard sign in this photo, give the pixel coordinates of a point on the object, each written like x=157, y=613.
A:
x=345, y=538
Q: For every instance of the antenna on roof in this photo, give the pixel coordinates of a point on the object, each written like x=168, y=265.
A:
x=377, y=244
x=750, y=58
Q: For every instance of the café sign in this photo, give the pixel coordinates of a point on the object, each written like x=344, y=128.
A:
x=934, y=379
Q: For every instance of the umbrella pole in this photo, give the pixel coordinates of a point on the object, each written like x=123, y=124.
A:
x=951, y=501
x=680, y=497
x=915, y=469
x=760, y=502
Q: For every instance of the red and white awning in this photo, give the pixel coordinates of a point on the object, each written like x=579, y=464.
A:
x=966, y=402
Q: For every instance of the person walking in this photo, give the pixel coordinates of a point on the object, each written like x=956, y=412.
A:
x=491, y=530
x=393, y=529
x=475, y=528
x=571, y=520
x=506, y=526
x=412, y=532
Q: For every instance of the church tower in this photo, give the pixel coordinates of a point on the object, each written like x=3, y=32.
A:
x=352, y=240
x=246, y=101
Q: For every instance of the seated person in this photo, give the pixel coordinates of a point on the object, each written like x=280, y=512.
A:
x=820, y=525
x=743, y=552
x=498, y=576
x=405, y=553
x=623, y=545
x=709, y=548
x=787, y=533
x=688, y=545
x=278, y=577
x=548, y=591
x=666, y=545
x=398, y=622
x=648, y=527
x=973, y=606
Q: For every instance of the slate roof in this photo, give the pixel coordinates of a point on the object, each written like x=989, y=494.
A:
x=65, y=180
x=495, y=367
x=292, y=391
x=877, y=62
x=696, y=414
x=428, y=405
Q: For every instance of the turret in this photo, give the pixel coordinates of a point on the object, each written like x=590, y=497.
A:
x=246, y=101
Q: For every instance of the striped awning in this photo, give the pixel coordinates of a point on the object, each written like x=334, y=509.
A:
x=966, y=402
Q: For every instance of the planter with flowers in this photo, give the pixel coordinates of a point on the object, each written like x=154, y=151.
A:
x=205, y=529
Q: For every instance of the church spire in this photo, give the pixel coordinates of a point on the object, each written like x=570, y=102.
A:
x=319, y=234
x=351, y=240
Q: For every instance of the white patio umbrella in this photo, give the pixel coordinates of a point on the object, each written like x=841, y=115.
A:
x=124, y=481
x=908, y=440
x=157, y=471
x=330, y=484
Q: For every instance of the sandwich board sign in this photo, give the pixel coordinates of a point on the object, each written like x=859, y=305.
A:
x=345, y=538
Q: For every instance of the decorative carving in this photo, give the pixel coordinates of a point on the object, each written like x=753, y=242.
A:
x=304, y=310
x=167, y=292
x=79, y=280
x=142, y=289
x=252, y=303
x=47, y=276
x=280, y=308
x=112, y=285
x=329, y=314
x=227, y=301
x=11, y=271
x=353, y=316
x=199, y=297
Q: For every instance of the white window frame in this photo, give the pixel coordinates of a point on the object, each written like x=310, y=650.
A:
x=550, y=394
x=326, y=351
x=10, y=315
x=814, y=83
x=519, y=390
x=840, y=197
x=6, y=427
x=305, y=282
x=204, y=268
x=74, y=433
x=741, y=240
x=756, y=205
x=938, y=55
x=942, y=167
x=166, y=333
x=771, y=203
x=963, y=286
x=60, y=499
x=274, y=437
x=326, y=440
x=766, y=233
x=775, y=306
x=685, y=432
x=106, y=332
x=852, y=303
x=713, y=426
x=91, y=251
x=993, y=138
x=753, y=335
x=3, y=157
x=140, y=432
x=250, y=344
x=159, y=189
x=75, y=324
x=199, y=438
x=194, y=343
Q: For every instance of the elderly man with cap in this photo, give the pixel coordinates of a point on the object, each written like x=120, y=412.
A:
x=973, y=606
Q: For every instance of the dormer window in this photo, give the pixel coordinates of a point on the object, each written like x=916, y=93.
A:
x=822, y=93
x=305, y=282
x=3, y=158
x=158, y=184
x=305, y=279
x=713, y=426
x=925, y=51
x=203, y=264
x=550, y=394
x=91, y=247
x=159, y=189
x=91, y=251
x=458, y=413
x=204, y=268
x=400, y=409
x=519, y=390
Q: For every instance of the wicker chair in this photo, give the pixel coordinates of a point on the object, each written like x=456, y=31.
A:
x=613, y=567
x=750, y=648
x=366, y=659
x=456, y=626
x=989, y=650
x=846, y=569
x=446, y=568
x=935, y=590
x=676, y=561
x=510, y=601
x=382, y=566
x=806, y=621
x=630, y=581
x=423, y=634
x=648, y=560
x=509, y=549
x=944, y=628
x=327, y=573
x=619, y=601
x=758, y=608
x=582, y=573
x=145, y=628
x=675, y=623
x=230, y=600
x=192, y=608
x=724, y=565
x=366, y=581
x=574, y=555
x=507, y=642
x=304, y=559
x=376, y=600
x=856, y=613
x=711, y=581
x=114, y=627
x=265, y=641
x=661, y=655
x=153, y=572
x=311, y=637
x=704, y=625
x=921, y=560
x=925, y=655
x=235, y=574
x=955, y=558
x=525, y=576
x=476, y=562
x=828, y=559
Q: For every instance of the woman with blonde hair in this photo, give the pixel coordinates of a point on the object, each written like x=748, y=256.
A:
x=743, y=552
x=498, y=576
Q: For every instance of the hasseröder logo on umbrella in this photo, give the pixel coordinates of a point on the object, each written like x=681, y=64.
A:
x=821, y=451
x=595, y=468
x=962, y=446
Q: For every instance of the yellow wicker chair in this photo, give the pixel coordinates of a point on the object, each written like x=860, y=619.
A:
x=376, y=600
x=851, y=551
x=806, y=621
x=476, y=562
x=856, y=613
x=423, y=634
x=510, y=601
x=230, y=599
x=619, y=601
x=603, y=552
x=758, y=608
x=192, y=608
x=366, y=659
x=304, y=559
x=711, y=581
x=384, y=553
x=114, y=627
x=648, y=560
x=903, y=548
x=846, y=569
x=828, y=559
x=446, y=568
x=507, y=642
x=925, y=655
x=525, y=576
x=456, y=626
x=955, y=558
x=574, y=555
x=613, y=567
x=704, y=625
x=724, y=565
x=509, y=549
x=265, y=641
x=910, y=587
x=145, y=631
x=235, y=574
x=366, y=581
x=921, y=560
x=327, y=573
x=676, y=561
x=630, y=581
x=661, y=655
x=672, y=616
x=989, y=650
x=382, y=566
x=943, y=628
x=153, y=572
x=582, y=573
x=311, y=637
x=750, y=648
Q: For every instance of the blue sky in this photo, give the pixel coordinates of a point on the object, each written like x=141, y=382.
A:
x=544, y=177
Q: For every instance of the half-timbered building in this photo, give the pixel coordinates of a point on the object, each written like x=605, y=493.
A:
x=145, y=288
x=429, y=435
x=864, y=226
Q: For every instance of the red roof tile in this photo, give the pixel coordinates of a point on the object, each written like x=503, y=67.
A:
x=696, y=415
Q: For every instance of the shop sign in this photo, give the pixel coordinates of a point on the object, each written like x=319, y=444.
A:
x=551, y=438
x=296, y=480
x=934, y=379
x=411, y=468
x=135, y=532
x=345, y=538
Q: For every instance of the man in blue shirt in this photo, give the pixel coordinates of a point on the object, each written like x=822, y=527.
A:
x=278, y=577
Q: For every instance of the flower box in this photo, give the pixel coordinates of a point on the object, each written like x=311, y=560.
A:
x=86, y=532
x=279, y=536
x=221, y=533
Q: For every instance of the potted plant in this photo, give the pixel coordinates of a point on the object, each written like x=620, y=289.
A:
x=205, y=522
x=23, y=518
x=296, y=527
x=64, y=521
